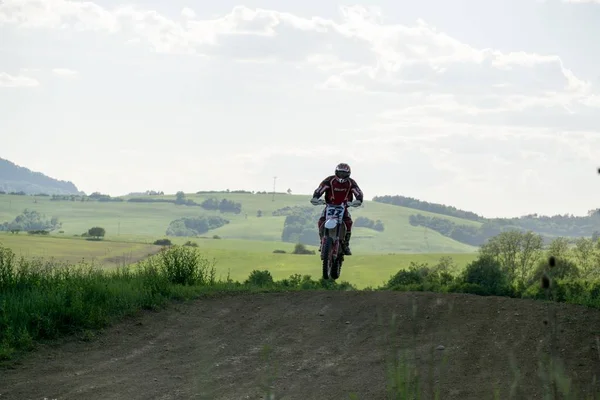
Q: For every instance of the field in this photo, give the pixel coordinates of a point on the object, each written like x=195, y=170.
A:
x=149, y=221
x=74, y=250
x=232, y=256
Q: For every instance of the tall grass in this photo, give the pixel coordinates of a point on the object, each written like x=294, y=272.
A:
x=41, y=300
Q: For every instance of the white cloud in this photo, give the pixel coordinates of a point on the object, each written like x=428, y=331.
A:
x=366, y=52
x=13, y=81
x=188, y=13
x=462, y=116
x=65, y=72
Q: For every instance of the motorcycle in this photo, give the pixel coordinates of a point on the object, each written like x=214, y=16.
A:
x=334, y=230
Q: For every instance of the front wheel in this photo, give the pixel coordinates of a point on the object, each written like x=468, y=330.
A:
x=336, y=269
x=327, y=257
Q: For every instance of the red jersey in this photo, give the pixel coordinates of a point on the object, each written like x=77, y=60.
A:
x=337, y=192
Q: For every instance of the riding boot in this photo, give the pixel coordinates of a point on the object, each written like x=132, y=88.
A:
x=347, y=244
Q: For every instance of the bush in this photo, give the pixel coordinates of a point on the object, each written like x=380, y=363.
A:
x=487, y=274
x=563, y=269
x=260, y=278
x=404, y=277
x=279, y=251
x=163, y=242
x=185, y=266
x=301, y=249
x=189, y=243
x=422, y=277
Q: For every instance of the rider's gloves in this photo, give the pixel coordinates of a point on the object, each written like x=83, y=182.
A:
x=356, y=203
x=314, y=201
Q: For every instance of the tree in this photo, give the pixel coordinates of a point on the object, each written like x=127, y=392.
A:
x=96, y=232
x=516, y=251
x=559, y=247
x=180, y=197
x=259, y=213
x=584, y=254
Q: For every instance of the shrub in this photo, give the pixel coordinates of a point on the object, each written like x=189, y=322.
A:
x=562, y=269
x=487, y=274
x=277, y=251
x=189, y=243
x=420, y=277
x=301, y=249
x=260, y=278
x=185, y=266
x=163, y=242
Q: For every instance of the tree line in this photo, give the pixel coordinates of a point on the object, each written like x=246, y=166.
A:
x=516, y=264
x=476, y=236
x=556, y=225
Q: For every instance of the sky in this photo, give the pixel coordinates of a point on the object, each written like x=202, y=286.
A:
x=491, y=106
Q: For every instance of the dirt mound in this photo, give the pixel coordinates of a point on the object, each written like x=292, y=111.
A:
x=324, y=345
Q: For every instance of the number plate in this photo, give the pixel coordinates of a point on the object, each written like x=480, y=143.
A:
x=334, y=211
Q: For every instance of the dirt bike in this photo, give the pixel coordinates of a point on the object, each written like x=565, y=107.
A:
x=334, y=230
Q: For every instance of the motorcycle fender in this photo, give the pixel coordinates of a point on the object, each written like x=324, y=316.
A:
x=330, y=223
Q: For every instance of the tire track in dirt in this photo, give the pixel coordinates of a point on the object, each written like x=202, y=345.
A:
x=324, y=345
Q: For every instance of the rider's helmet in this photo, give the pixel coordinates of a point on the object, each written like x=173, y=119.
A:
x=342, y=172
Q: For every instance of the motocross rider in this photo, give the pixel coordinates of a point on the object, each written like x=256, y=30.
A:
x=338, y=189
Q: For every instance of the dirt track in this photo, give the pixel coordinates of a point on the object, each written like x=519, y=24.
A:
x=325, y=346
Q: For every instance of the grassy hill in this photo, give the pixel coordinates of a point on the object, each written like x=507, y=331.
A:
x=149, y=221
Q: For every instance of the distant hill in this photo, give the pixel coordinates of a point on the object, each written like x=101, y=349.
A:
x=14, y=178
x=549, y=227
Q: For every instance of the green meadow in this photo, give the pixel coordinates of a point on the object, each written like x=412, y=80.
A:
x=234, y=257
x=146, y=222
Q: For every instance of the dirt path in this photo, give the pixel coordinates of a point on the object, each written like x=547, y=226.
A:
x=325, y=346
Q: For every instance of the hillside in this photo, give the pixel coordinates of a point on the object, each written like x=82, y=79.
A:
x=321, y=345
x=14, y=178
x=150, y=219
x=548, y=226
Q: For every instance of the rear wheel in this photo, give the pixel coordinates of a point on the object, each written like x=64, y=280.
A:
x=326, y=255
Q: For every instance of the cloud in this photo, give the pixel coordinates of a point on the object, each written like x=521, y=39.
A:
x=13, y=81
x=458, y=114
x=355, y=52
x=188, y=13
x=65, y=72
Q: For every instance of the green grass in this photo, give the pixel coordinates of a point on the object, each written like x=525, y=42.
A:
x=69, y=249
x=41, y=300
x=143, y=221
x=233, y=256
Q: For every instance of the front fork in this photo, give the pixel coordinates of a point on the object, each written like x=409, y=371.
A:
x=324, y=233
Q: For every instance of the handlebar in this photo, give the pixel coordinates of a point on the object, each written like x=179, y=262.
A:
x=322, y=202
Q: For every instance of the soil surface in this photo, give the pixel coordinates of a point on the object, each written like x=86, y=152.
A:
x=316, y=345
